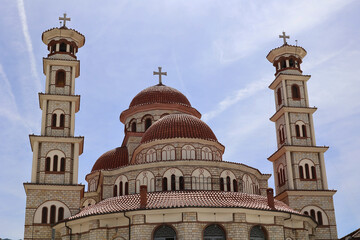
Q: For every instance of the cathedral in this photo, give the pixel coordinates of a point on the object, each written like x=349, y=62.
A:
x=168, y=179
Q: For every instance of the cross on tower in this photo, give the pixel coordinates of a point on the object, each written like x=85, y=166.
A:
x=284, y=37
x=160, y=73
x=64, y=19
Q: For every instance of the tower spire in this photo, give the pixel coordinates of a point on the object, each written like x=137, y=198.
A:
x=64, y=19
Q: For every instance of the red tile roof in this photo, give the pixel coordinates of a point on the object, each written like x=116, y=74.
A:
x=178, y=126
x=115, y=158
x=182, y=199
x=159, y=94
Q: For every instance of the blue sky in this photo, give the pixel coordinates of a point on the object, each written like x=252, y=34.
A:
x=213, y=51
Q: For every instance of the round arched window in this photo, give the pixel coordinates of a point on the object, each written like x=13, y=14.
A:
x=214, y=232
x=257, y=233
x=164, y=233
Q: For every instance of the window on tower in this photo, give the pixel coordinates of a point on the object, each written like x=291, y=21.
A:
x=317, y=214
x=295, y=91
x=279, y=98
x=300, y=129
x=60, y=78
x=307, y=170
x=62, y=47
x=281, y=175
x=281, y=134
x=291, y=63
x=133, y=126
x=53, y=120
x=62, y=120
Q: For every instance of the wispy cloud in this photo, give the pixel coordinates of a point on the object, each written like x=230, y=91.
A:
x=239, y=95
x=24, y=25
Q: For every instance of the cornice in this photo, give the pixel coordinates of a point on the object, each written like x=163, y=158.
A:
x=56, y=139
x=285, y=76
x=285, y=109
x=288, y=148
x=58, y=97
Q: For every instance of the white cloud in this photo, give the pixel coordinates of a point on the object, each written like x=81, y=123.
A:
x=24, y=25
x=239, y=95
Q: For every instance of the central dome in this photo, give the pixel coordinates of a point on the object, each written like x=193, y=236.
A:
x=178, y=126
x=159, y=94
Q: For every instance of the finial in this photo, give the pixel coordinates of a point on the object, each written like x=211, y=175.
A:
x=160, y=73
x=64, y=20
x=284, y=37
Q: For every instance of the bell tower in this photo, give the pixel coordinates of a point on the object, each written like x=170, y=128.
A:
x=53, y=193
x=298, y=163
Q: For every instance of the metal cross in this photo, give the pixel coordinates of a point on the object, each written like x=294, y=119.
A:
x=64, y=19
x=160, y=73
x=284, y=37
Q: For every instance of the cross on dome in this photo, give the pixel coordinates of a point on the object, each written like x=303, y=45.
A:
x=64, y=19
x=284, y=37
x=160, y=73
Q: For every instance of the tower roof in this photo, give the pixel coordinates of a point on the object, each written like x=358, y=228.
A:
x=159, y=94
x=112, y=159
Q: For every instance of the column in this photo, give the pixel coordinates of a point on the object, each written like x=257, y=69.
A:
x=72, y=80
x=76, y=163
x=43, y=120
x=72, y=123
x=323, y=171
x=35, y=161
x=47, y=82
x=289, y=170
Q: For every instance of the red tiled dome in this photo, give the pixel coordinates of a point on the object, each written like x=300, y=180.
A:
x=112, y=159
x=159, y=94
x=178, y=126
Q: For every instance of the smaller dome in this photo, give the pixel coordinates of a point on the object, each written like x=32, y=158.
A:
x=178, y=126
x=159, y=94
x=112, y=159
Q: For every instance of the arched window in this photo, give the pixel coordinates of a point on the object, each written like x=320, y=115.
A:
x=206, y=153
x=62, y=165
x=295, y=91
x=53, y=48
x=44, y=214
x=313, y=172
x=317, y=214
x=52, y=213
x=164, y=184
x=291, y=62
x=71, y=49
x=60, y=78
x=188, y=152
x=173, y=182
x=281, y=175
x=55, y=163
x=151, y=155
x=201, y=179
x=133, y=126
x=303, y=128
x=60, y=213
x=168, y=153
x=235, y=185
x=53, y=120
x=47, y=164
x=281, y=134
x=221, y=184
x=300, y=129
x=62, y=120
x=307, y=169
x=319, y=218
x=307, y=172
x=115, y=191
x=301, y=172
x=297, y=130
x=62, y=47
x=257, y=233
x=279, y=98
x=145, y=178
x=181, y=183
x=127, y=188
x=164, y=232
x=283, y=64
x=121, y=189
x=148, y=123
x=247, y=184
x=228, y=183
x=214, y=232
x=312, y=213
